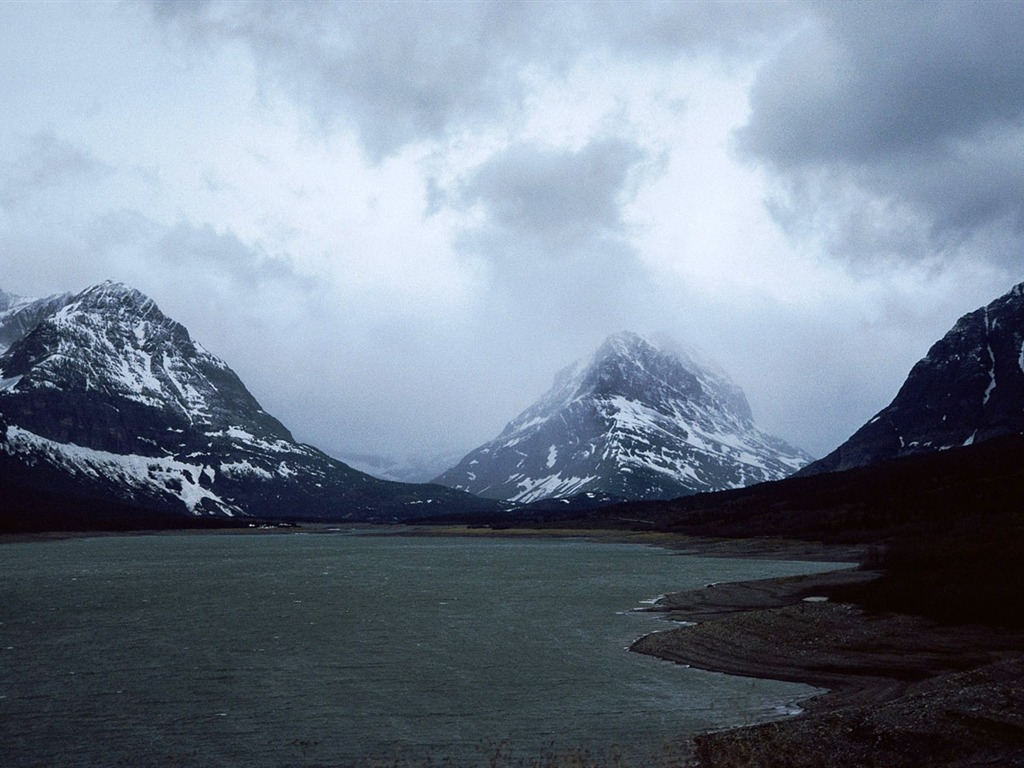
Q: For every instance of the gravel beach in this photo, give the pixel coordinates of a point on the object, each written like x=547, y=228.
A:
x=902, y=690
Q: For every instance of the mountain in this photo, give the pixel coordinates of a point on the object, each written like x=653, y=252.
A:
x=410, y=469
x=105, y=398
x=968, y=388
x=634, y=421
x=18, y=316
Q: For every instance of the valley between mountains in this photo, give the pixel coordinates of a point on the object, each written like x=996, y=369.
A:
x=112, y=417
x=105, y=397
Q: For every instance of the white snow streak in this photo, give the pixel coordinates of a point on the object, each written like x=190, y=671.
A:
x=160, y=474
x=531, y=489
x=243, y=468
x=991, y=374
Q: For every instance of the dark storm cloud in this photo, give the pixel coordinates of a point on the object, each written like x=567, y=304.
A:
x=558, y=200
x=869, y=81
x=46, y=162
x=919, y=103
x=404, y=72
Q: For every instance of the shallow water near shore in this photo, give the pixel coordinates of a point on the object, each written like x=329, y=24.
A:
x=333, y=649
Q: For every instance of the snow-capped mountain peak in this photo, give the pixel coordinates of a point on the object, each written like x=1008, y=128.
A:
x=106, y=397
x=635, y=420
x=112, y=341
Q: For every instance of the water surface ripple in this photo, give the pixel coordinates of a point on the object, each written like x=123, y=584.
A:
x=281, y=650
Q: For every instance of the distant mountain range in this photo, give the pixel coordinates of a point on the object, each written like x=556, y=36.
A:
x=633, y=421
x=410, y=469
x=111, y=415
x=969, y=388
x=104, y=398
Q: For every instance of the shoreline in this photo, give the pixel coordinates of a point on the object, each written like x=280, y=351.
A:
x=900, y=690
x=703, y=546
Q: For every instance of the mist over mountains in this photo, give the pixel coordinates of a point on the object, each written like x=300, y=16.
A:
x=634, y=421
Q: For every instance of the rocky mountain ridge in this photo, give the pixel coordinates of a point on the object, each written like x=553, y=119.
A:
x=968, y=388
x=105, y=394
x=634, y=421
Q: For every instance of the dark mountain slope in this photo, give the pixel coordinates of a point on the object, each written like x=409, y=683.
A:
x=968, y=388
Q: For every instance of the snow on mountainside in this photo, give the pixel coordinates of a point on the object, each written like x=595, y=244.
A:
x=18, y=316
x=634, y=421
x=967, y=389
x=104, y=394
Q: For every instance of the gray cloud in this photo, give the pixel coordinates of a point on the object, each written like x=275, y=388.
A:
x=396, y=72
x=557, y=201
x=189, y=246
x=404, y=72
x=562, y=270
x=46, y=163
x=919, y=104
x=670, y=29
x=869, y=81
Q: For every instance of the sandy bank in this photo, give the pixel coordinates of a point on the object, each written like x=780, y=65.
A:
x=902, y=691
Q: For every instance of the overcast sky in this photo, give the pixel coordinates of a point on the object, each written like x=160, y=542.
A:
x=397, y=221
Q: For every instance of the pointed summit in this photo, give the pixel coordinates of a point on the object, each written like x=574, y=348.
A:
x=635, y=420
x=967, y=389
x=105, y=398
x=111, y=341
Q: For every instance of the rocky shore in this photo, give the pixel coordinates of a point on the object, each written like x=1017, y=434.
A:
x=901, y=690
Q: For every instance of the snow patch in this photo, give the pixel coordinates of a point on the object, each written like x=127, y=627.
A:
x=532, y=489
x=162, y=475
x=552, y=456
x=243, y=468
x=991, y=375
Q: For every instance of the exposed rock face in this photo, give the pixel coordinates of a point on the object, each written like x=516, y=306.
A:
x=107, y=396
x=635, y=421
x=967, y=389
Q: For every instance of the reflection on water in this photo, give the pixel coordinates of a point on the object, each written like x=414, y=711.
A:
x=207, y=650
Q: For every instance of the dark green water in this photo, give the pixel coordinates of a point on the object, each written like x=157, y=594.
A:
x=250, y=650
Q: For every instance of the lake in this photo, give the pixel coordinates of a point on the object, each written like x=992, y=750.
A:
x=342, y=649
